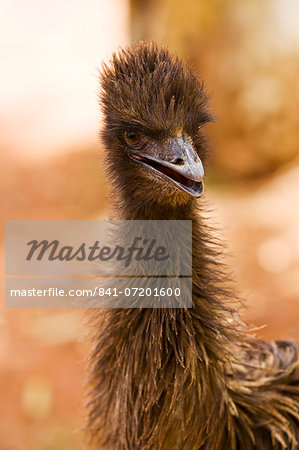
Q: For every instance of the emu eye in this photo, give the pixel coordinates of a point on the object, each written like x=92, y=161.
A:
x=132, y=137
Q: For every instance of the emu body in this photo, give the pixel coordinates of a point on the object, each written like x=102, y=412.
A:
x=182, y=379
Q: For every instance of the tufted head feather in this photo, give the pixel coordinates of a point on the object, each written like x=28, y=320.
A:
x=148, y=87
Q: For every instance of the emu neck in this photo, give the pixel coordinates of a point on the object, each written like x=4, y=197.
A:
x=165, y=366
x=170, y=360
x=209, y=316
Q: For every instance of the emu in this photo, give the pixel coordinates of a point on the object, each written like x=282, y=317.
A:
x=179, y=378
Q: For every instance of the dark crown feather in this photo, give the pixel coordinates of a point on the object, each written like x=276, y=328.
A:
x=167, y=94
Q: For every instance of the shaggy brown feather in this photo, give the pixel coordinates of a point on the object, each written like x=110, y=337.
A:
x=179, y=378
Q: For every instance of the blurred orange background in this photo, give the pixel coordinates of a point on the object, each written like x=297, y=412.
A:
x=51, y=168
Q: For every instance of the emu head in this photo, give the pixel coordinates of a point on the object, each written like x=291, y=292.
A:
x=154, y=108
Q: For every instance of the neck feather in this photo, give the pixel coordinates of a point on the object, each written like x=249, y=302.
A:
x=152, y=357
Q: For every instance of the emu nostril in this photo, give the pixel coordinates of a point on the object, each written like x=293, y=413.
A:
x=178, y=161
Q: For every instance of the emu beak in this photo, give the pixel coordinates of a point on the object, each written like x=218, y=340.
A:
x=181, y=164
x=183, y=158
